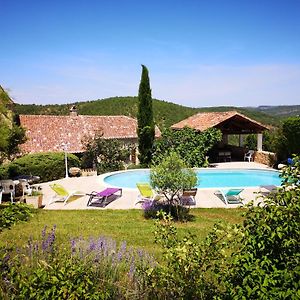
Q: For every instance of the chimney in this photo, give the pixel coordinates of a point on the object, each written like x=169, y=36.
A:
x=73, y=111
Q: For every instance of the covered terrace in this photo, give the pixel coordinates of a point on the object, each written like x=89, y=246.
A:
x=231, y=123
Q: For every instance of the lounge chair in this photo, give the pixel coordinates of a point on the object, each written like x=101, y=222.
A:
x=63, y=195
x=231, y=196
x=146, y=193
x=188, y=197
x=7, y=187
x=101, y=197
x=267, y=189
x=249, y=155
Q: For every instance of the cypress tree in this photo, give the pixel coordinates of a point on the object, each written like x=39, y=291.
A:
x=145, y=129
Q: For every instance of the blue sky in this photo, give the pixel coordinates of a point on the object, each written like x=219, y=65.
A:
x=199, y=53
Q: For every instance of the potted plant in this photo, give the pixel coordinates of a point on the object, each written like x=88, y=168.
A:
x=35, y=197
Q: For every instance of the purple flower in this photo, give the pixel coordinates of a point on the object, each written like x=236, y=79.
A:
x=132, y=267
x=44, y=232
x=73, y=246
x=121, y=251
x=29, y=243
x=47, y=245
x=147, y=205
x=92, y=245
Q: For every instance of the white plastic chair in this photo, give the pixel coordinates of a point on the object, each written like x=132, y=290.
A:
x=249, y=155
x=7, y=187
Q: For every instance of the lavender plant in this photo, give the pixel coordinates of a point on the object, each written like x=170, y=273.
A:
x=95, y=268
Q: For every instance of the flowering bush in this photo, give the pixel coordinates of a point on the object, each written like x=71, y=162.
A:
x=88, y=269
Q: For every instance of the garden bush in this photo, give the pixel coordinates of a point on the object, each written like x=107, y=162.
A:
x=178, y=212
x=48, y=166
x=170, y=177
x=108, y=155
x=256, y=260
x=187, y=267
x=288, y=137
x=87, y=269
x=11, y=214
x=191, y=145
x=267, y=263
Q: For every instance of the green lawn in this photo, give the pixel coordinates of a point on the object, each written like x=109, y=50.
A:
x=121, y=225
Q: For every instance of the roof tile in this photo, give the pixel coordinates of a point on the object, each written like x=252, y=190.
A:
x=48, y=133
x=204, y=120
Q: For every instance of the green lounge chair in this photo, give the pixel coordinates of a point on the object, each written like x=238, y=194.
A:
x=146, y=193
x=230, y=196
x=62, y=195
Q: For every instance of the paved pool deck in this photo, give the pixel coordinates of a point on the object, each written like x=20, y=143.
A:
x=205, y=197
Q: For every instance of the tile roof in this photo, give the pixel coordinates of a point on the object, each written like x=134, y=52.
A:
x=205, y=120
x=48, y=133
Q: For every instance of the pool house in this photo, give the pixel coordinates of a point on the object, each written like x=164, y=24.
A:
x=234, y=127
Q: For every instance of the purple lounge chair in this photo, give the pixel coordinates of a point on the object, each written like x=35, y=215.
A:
x=101, y=197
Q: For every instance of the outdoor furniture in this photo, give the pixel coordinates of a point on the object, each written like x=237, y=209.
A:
x=230, y=196
x=7, y=187
x=63, y=195
x=101, y=197
x=249, y=155
x=26, y=188
x=224, y=156
x=146, y=193
x=188, y=197
x=29, y=178
x=267, y=189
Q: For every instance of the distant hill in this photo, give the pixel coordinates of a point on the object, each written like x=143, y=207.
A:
x=282, y=111
x=165, y=113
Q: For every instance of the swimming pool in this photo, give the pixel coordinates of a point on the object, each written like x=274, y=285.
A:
x=207, y=178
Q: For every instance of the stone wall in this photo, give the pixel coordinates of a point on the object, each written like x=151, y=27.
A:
x=265, y=157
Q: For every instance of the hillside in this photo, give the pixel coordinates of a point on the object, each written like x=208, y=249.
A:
x=282, y=111
x=6, y=104
x=165, y=113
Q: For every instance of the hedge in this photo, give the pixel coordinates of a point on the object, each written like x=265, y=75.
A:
x=48, y=166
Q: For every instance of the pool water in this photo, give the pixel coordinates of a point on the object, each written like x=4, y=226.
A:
x=206, y=178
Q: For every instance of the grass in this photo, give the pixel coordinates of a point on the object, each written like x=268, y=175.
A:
x=121, y=225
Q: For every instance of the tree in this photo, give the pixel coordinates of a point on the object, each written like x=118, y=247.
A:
x=171, y=176
x=107, y=155
x=287, y=141
x=192, y=146
x=11, y=135
x=146, y=129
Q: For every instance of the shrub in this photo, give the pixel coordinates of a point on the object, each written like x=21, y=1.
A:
x=107, y=155
x=172, y=176
x=87, y=269
x=267, y=263
x=48, y=166
x=191, y=145
x=4, y=171
x=178, y=212
x=287, y=140
x=11, y=214
x=256, y=260
x=185, y=270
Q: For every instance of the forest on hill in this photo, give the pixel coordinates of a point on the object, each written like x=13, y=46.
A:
x=165, y=113
x=282, y=111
